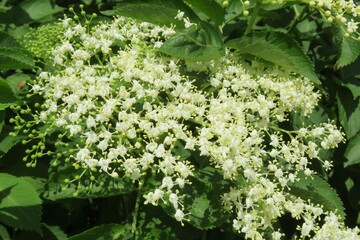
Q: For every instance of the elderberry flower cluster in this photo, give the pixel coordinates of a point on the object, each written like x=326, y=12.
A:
x=121, y=108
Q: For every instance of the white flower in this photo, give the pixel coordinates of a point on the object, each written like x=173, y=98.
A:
x=83, y=154
x=167, y=183
x=74, y=129
x=103, y=145
x=180, y=182
x=104, y=164
x=180, y=15
x=173, y=199
x=179, y=215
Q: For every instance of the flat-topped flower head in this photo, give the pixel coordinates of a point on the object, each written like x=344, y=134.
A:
x=122, y=109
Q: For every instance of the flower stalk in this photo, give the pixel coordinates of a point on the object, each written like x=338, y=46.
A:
x=253, y=16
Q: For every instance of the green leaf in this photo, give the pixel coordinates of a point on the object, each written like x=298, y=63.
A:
x=180, y=151
x=4, y=235
x=210, y=8
x=7, y=41
x=39, y=10
x=3, y=7
x=162, y=12
x=350, y=51
x=15, y=58
x=8, y=141
x=48, y=233
x=354, y=86
x=352, y=153
x=12, y=55
x=16, y=80
x=155, y=224
x=58, y=188
x=38, y=184
x=201, y=42
x=350, y=78
x=6, y=93
x=53, y=232
x=319, y=192
x=317, y=117
x=349, y=112
x=202, y=199
x=2, y=120
x=277, y=48
x=20, y=205
x=105, y=232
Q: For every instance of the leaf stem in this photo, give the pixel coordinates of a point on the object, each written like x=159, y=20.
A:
x=298, y=19
x=253, y=17
x=136, y=210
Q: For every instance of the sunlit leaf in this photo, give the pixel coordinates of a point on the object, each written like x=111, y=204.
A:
x=20, y=205
x=210, y=8
x=277, y=48
x=200, y=42
x=349, y=51
x=40, y=9
x=154, y=11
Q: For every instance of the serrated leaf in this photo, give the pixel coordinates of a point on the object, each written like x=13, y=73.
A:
x=7, y=41
x=352, y=153
x=15, y=58
x=209, y=8
x=349, y=51
x=154, y=11
x=201, y=42
x=105, y=232
x=277, y=48
x=40, y=9
x=38, y=184
x=319, y=192
x=20, y=205
x=7, y=95
x=349, y=112
x=4, y=235
x=57, y=188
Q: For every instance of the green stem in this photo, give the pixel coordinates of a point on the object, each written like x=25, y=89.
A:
x=136, y=210
x=298, y=19
x=253, y=17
